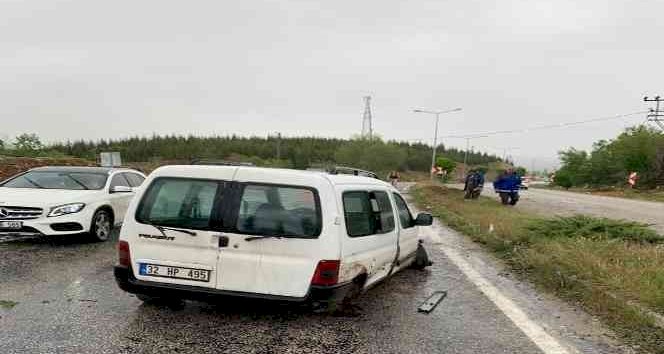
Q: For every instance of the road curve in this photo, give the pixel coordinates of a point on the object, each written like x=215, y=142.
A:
x=551, y=202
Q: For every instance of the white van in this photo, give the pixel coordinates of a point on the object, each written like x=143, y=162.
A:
x=265, y=233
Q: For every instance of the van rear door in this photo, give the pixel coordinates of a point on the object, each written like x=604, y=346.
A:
x=177, y=227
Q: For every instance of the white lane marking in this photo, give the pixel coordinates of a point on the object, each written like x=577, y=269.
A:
x=535, y=332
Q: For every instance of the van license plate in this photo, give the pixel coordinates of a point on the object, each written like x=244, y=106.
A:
x=11, y=225
x=156, y=270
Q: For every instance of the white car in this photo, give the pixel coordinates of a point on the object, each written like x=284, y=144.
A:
x=66, y=200
x=266, y=233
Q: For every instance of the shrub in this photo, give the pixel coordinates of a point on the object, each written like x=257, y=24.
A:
x=581, y=226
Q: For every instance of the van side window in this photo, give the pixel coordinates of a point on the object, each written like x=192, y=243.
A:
x=405, y=217
x=279, y=210
x=182, y=203
x=367, y=213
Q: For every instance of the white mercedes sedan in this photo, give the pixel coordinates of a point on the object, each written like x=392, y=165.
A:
x=66, y=200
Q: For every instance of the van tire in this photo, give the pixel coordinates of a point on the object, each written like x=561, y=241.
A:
x=421, y=258
x=345, y=306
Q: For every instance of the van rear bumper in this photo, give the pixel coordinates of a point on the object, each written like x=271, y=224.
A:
x=126, y=280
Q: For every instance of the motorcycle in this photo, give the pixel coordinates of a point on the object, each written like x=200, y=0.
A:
x=474, y=193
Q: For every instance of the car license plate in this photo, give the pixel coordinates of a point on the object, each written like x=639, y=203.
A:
x=157, y=270
x=11, y=225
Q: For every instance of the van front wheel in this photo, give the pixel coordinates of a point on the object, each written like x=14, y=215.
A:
x=421, y=258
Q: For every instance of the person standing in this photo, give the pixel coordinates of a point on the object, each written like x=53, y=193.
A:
x=507, y=185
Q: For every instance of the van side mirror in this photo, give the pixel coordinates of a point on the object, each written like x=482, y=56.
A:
x=424, y=219
x=121, y=189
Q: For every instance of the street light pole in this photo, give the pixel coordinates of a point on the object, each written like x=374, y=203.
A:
x=435, y=145
x=435, y=134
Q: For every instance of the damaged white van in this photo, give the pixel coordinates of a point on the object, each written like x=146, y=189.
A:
x=266, y=233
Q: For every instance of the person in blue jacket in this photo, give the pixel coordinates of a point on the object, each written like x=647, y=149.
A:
x=507, y=185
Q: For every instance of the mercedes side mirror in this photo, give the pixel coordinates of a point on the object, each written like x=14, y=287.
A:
x=424, y=219
x=121, y=189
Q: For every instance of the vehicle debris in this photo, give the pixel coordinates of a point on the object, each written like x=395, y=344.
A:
x=433, y=301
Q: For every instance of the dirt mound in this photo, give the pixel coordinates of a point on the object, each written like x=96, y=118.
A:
x=10, y=166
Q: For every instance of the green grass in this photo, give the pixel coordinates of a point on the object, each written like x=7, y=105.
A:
x=7, y=304
x=604, y=265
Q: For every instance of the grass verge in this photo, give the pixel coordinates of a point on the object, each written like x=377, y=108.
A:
x=612, y=268
x=7, y=304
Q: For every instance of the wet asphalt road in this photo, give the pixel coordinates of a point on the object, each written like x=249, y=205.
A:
x=68, y=302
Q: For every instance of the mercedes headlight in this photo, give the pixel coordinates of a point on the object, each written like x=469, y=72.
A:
x=66, y=209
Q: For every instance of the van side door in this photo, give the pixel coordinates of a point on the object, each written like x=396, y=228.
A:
x=408, y=234
x=371, y=235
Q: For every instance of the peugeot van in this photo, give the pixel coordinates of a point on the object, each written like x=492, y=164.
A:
x=264, y=233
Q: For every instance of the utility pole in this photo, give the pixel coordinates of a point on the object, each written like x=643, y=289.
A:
x=465, y=157
x=655, y=115
x=367, y=127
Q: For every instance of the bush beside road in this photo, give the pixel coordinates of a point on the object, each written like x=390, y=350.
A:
x=614, y=269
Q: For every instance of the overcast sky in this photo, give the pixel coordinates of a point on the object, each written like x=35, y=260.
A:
x=108, y=69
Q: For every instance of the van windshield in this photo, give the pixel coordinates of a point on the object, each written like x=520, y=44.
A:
x=279, y=211
x=181, y=203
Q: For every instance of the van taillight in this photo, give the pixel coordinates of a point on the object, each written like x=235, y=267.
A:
x=124, y=257
x=327, y=273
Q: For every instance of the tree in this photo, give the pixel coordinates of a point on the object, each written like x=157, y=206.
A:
x=28, y=143
x=574, y=165
x=563, y=179
x=446, y=164
x=374, y=155
x=2, y=145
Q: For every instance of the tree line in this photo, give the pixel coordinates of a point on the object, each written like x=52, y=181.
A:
x=291, y=152
x=638, y=149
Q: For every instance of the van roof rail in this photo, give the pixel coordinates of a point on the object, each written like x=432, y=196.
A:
x=345, y=170
x=211, y=162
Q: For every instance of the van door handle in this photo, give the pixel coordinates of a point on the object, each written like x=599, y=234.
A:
x=223, y=241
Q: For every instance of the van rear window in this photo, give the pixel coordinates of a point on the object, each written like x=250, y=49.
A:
x=182, y=203
x=279, y=211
